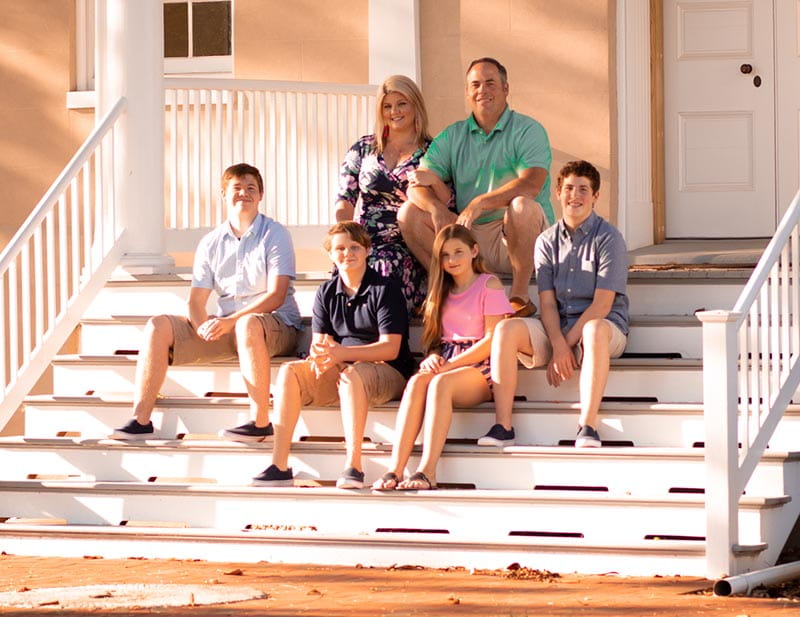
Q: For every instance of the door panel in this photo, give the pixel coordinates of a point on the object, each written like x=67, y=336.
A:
x=719, y=127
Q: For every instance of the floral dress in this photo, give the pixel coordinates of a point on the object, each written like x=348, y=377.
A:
x=382, y=190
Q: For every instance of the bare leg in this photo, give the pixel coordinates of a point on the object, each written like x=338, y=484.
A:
x=510, y=337
x=407, y=426
x=151, y=366
x=254, y=359
x=418, y=231
x=594, y=369
x=354, y=406
x=288, y=402
x=463, y=387
x=524, y=219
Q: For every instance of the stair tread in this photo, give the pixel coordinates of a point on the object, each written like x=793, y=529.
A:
x=122, y=359
x=669, y=546
x=225, y=446
x=462, y=496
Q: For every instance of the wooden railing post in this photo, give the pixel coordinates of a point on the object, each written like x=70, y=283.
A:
x=720, y=401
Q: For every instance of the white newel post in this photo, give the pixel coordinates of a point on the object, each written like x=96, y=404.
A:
x=129, y=63
x=720, y=402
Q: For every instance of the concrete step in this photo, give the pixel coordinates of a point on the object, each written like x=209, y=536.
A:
x=642, y=472
x=486, y=518
x=648, y=379
x=677, y=335
x=536, y=423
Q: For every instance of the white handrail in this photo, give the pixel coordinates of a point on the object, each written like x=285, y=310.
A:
x=751, y=371
x=57, y=261
x=216, y=83
x=60, y=185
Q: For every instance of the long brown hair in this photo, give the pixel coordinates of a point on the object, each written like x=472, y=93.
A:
x=405, y=86
x=440, y=283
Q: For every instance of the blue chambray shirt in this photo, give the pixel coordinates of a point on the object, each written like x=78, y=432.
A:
x=238, y=269
x=594, y=257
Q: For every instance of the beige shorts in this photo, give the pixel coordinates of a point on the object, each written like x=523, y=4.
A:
x=381, y=382
x=492, y=240
x=543, y=351
x=189, y=348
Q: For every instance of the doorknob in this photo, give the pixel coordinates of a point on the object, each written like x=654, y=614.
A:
x=746, y=68
x=757, y=81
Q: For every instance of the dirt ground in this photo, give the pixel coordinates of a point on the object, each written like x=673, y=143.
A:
x=354, y=592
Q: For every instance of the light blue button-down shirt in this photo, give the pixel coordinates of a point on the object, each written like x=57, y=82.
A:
x=593, y=257
x=238, y=269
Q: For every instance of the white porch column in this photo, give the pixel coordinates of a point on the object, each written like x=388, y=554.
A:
x=129, y=63
x=394, y=40
x=721, y=409
x=635, y=213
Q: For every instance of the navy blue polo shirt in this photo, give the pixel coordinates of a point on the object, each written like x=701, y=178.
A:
x=378, y=307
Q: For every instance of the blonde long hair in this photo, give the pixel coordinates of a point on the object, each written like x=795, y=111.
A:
x=440, y=283
x=405, y=86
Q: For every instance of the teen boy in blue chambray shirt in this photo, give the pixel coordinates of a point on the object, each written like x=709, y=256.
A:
x=581, y=273
x=249, y=262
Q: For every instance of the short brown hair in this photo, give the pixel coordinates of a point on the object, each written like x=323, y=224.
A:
x=495, y=63
x=240, y=170
x=355, y=230
x=581, y=169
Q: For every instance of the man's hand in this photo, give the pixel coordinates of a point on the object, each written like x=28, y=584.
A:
x=562, y=365
x=440, y=218
x=215, y=327
x=473, y=211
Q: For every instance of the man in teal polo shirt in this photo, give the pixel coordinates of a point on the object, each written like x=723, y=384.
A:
x=498, y=162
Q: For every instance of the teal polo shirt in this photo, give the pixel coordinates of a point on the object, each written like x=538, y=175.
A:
x=476, y=163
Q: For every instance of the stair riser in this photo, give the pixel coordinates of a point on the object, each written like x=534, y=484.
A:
x=653, y=384
x=643, y=476
x=659, y=561
x=600, y=523
x=107, y=339
x=643, y=427
x=678, y=297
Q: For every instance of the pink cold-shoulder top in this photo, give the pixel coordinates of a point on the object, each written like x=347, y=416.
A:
x=463, y=313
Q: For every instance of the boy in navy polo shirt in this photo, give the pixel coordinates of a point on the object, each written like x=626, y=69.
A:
x=359, y=355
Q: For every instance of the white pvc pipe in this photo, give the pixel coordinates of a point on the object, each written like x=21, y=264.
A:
x=746, y=583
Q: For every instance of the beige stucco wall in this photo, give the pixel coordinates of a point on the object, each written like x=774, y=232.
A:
x=560, y=60
x=559, y=55
x=302, y=40
x=38, y=135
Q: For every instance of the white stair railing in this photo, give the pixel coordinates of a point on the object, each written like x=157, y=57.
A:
x=295, y=133
x=750, y=374
x=56, y=262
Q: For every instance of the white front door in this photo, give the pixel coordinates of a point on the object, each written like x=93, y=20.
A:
x=719, y=118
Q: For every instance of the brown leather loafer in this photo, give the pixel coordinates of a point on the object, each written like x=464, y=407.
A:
x=522, y=308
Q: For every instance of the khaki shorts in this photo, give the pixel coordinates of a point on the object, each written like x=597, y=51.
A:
x=381, y=382
x=543, y=351
x=189, y=348
x=492, y=240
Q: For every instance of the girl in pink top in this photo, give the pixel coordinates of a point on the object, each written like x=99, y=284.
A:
x=463, y=305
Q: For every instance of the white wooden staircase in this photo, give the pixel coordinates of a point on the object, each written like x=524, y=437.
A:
x=635, y=506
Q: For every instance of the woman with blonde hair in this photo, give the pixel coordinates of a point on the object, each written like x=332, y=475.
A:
x=375, y=170
x=463, y=306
